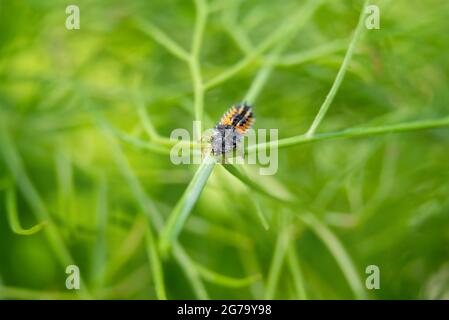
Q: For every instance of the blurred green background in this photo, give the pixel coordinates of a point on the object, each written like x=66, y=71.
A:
x=78, y=115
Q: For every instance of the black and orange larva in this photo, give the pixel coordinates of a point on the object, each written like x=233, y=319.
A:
x=231, y=128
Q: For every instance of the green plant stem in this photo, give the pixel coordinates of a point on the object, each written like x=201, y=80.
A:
x=191, y=272
x=223, y=280
x=17, y=169
x=293, y=23
x=341, y=73
x=99, y=255
x=13, y=217
x=194, y=62
x=130, y=285
x=138, y=143
x=156, y=265
x=198, y=94
x=233, y=170
x=205, y=228
x=144, y=118
x=146, y=204
x=185, y=204
x=128, y=247
x=163, y=39
x=295, y=59
x=295, y=269
x=259, y=211
x=277, y=262
x=353, y=133
x=230, y=22
x=149, y=208
x=339, y=253
x=263, y=74
x=200, y=24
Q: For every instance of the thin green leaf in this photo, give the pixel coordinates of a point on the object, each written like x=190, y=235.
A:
x=16, y=167
x=341, y=73
x=13, y=217
x=264, y=73
x=191, y=272
x=155, y=263
x=127, y=249
x=352, y=133
x=99, y=256
x=339, y=253
x=295, y=269
x=194, y=62
x=277, y=262
x=260, y=213
x=149, y=208
x=144, y=118
x=309, y=55
x=251, y=265
x=205, y=228
x=293, y=23
x=163, y=39
x=232, y=169
x=223, y=280
x=185, y=204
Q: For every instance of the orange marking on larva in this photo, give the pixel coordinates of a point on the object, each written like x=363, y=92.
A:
x=228, y=117
x=242, y=128
x=240, y=117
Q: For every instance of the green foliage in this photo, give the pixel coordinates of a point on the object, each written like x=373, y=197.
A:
x=85, y=120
